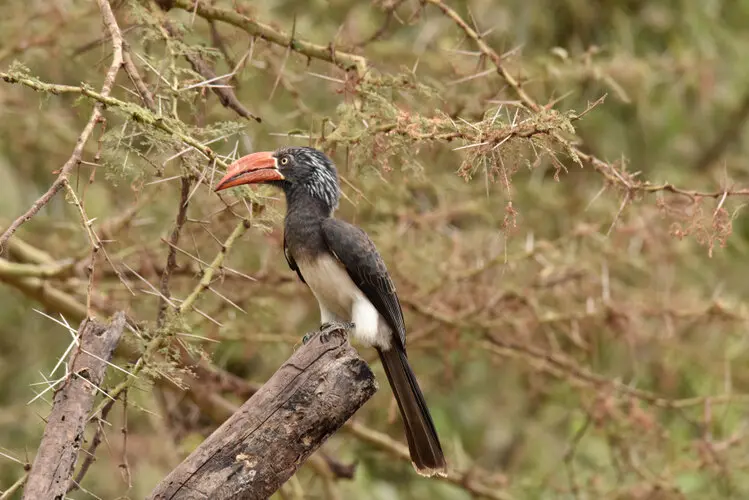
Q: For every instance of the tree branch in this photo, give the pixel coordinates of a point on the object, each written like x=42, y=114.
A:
x=263, y=444
x=139, y=113
x=55, y=460
x=171, y=259
x=225, y=94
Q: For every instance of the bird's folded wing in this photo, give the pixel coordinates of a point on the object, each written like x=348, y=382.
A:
x=358, y=254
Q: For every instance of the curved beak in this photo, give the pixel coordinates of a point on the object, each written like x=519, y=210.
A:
x=251, y=169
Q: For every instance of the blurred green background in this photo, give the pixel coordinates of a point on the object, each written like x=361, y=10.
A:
x=575, y=338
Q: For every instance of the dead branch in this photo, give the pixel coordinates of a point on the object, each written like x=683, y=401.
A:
x=53, y=466
x=263, y=443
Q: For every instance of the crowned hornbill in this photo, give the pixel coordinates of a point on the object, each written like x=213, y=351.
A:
x=342, y=267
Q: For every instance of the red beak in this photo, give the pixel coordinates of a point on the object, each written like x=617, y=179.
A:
x=251, y=169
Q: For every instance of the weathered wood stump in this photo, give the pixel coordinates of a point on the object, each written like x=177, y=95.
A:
x=263, y=444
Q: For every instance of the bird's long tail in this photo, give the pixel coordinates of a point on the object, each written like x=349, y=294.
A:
x=423, y=443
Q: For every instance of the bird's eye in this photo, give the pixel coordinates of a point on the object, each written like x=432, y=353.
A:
x=285, y=160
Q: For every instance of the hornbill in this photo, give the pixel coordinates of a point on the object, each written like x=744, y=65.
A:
x=347, y=276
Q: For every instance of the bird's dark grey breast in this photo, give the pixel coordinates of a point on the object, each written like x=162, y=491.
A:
x=303, y=236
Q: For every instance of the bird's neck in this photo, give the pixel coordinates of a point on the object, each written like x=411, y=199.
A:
x=301, y=203
x=304, y=214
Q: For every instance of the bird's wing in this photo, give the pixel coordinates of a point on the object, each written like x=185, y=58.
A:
x=353, y=248
x=290, y=260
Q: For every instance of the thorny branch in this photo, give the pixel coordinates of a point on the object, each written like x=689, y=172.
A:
x=63, y=435
x=138, y=113
x=171, y=260
x=155, y=344
x=96, y=115
x=346, y=60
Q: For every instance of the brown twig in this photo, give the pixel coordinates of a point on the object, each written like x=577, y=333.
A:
x=171, y=259
x=95, y=245
x=125, y=464
x=132, y=71
x=219, y=43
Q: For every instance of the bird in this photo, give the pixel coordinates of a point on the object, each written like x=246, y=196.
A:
x=340, y=264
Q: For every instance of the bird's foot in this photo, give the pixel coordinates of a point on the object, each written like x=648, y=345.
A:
x=327, y=328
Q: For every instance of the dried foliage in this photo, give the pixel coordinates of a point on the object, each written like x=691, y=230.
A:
x=556, y=187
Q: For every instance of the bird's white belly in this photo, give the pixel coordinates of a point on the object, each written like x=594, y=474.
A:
x=341, y=300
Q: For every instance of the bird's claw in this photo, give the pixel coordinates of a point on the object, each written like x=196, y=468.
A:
x=329, y=327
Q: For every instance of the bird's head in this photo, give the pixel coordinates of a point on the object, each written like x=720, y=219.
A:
x=297, y=170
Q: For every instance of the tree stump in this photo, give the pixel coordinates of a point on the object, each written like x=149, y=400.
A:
x=264, y=443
